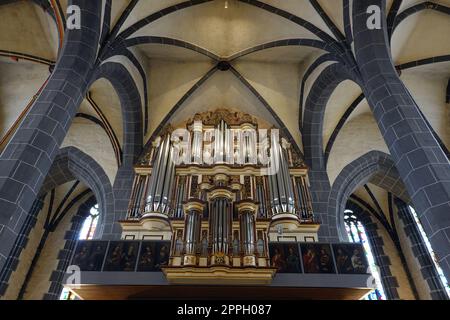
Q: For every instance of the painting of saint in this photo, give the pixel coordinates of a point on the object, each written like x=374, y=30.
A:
x=325, y=260
x=96, y=256
x=293, y=260
x=162, y=259
x=359, y=262
x=277, y=260
x=147, y=257
x=285, y=257
x=317, y=258
x=350, y=258
x=310, y=264
x=121, y=256
x=81, y=256
x=129, y=260
x=89, y=255
x=343, y=262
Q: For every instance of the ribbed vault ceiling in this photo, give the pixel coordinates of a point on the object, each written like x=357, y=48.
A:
x=274, y=74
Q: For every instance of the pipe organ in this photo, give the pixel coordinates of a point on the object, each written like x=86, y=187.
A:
x=220, y=187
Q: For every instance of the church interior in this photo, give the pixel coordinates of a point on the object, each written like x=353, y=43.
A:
x=217, y=149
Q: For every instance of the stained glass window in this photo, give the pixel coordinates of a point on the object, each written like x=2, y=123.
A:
x=357, y=233
x=86, y=233
x=430, y=250
x=89, y=224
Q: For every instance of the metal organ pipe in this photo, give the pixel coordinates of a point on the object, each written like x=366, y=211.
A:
x=221, y=216
x=179, y=196
x=197, y=143
x=280, y=184
x=247, y=225
x=247, y=211
x=193, y=224
x=192, y=228
x=220, y=139
x=161, y=181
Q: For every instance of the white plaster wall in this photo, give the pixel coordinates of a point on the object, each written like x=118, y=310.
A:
x=92, y=140
x=429, y=90
x=22, y=30
x=105, y=96
x=359, y=135
x=169, y=81
x=278, y=84
x=422, y=35
x=223, y=91
x=19, y=82
x=380, y=195
x=340, y=100
x=225, y=31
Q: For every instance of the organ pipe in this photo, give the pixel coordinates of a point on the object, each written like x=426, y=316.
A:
x=247, y=211
x=220, y=221
x=161, y=180
x=280, y=184
x=193, y=222
x=197, y=143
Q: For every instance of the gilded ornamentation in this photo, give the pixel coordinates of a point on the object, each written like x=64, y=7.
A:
x=232, y=118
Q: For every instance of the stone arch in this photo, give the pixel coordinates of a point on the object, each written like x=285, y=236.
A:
x=314, y=113
x=130, y=100
x=71, y=164
x=375, y=167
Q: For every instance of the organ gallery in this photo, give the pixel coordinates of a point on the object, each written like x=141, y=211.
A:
x=222, y=200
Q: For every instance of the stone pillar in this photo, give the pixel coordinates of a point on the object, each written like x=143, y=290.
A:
x=27, y=158
x=421, y=162
x=193, y=211
x=247, y=213
x=420, y=252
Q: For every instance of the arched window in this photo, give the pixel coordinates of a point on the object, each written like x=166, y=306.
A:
x=430, y=250
x=86, y=233
x=89, y=224
x=357, y=233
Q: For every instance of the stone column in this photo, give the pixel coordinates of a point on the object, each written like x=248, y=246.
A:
x=247, y=213
x=193, y=211
x=27, y=158
x=421, y=162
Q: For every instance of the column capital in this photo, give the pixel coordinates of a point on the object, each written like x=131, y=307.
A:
x=194, y=204
x=221, y=192
x=247, y=205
